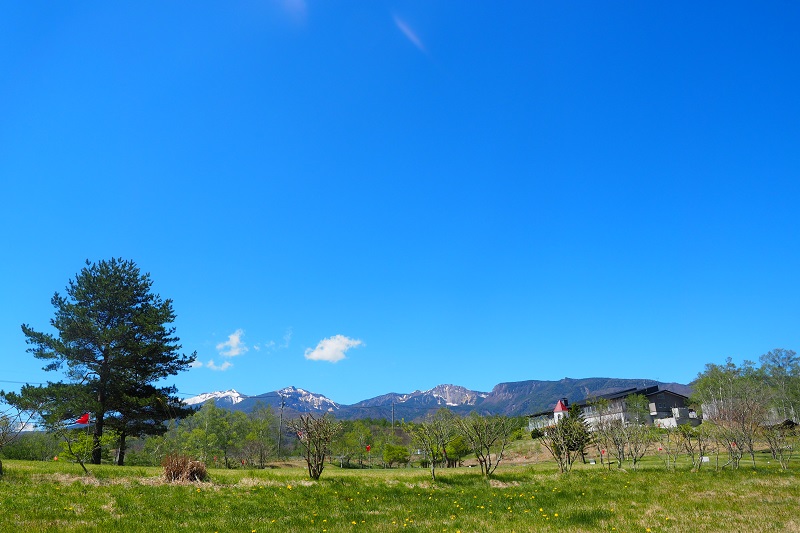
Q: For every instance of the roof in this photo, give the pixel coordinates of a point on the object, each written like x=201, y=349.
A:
x=647, y=391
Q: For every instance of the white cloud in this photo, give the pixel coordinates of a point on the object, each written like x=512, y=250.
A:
x=332, y=349
x=195, y=364
x=409, y=33
x=287, y=337
x=233, y=346
x=221, y=368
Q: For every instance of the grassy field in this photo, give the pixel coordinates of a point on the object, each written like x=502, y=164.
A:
x=57, y=497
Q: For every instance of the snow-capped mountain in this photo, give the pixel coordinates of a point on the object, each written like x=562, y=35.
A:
x=227, y=398
x=291, y=399
x=300, y=397
x=454, y=395
x=512, y=399
x=444, y=395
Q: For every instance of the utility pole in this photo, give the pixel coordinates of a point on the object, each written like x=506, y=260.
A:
x=280, y=424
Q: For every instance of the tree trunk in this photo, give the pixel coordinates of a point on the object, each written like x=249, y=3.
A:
x=97, y=451
x=1, y=468
x=121, y=458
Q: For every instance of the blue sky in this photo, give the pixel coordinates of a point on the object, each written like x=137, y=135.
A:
x=424, y=192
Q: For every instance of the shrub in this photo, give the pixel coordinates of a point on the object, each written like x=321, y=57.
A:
x=181, y=468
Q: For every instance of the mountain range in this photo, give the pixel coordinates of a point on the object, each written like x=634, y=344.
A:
x=510, y=399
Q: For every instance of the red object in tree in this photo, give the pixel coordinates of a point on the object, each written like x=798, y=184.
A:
x=602, y=452
x=83, y=420
x=369, y=447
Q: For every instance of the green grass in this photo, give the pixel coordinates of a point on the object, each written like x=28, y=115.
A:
x=56, y=497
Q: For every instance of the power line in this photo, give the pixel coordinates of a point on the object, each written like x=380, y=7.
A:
x=21, y=382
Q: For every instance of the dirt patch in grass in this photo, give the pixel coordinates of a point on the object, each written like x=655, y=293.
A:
x=497, y=484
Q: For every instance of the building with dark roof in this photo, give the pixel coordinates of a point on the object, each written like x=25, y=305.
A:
x=666, y=409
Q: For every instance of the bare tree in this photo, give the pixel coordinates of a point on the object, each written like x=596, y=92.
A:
x=12, y=423
x=609, y=432
x=315, y=435
x=670, y=443
x=565, y=440
x=695, y=442
x=488, y=437
x=433, y=434
x=780, y=439
x=637, y=434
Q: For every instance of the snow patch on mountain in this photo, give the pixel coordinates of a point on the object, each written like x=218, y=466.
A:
x=230, y=397
x=316, y=401
x=455, y=395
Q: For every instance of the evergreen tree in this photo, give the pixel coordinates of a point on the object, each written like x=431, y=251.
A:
x=115, y=343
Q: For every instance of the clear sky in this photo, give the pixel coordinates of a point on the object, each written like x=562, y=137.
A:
x=438, y=192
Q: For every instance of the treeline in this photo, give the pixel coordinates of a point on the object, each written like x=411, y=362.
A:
x=234, y=439
x=744, y=408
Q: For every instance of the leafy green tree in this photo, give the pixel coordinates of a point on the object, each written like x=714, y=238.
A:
x=363, y=437
x=113, y=339
x=782, y=371
x=395, y=453
x=457, y=449
x=736, y=401
x=260, y=441
x=200, y=435
x=32, y=446
x=78, y=445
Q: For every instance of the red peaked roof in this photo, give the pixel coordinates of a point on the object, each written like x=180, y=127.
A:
x=560, y=407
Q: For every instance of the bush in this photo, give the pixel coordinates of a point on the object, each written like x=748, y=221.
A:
x=181, y=468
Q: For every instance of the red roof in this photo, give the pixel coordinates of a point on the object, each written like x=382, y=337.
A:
x=560, y=407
